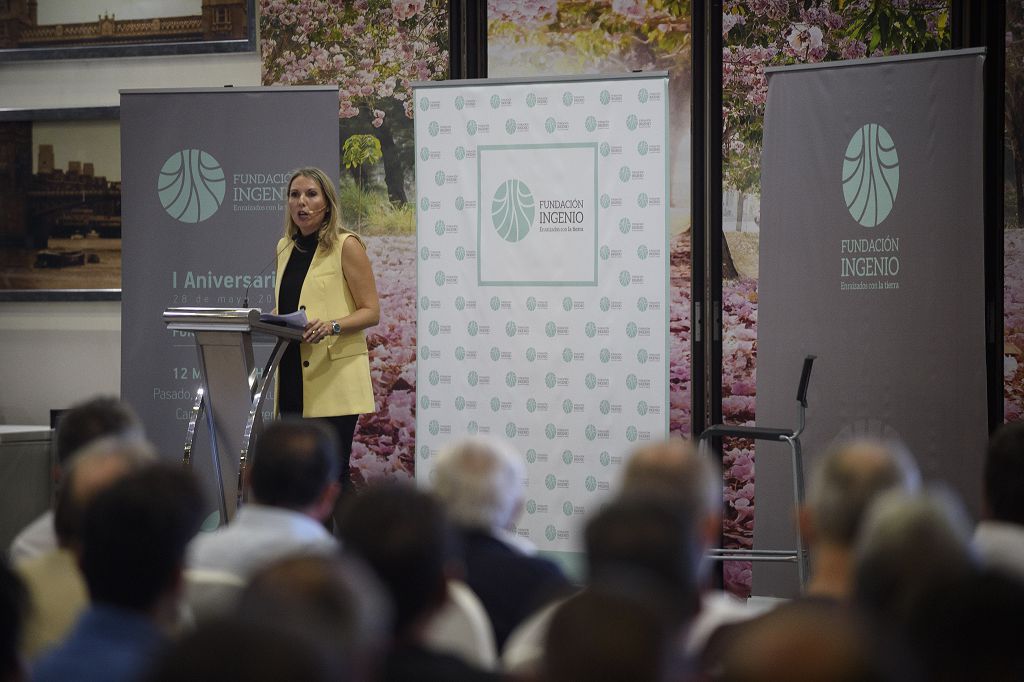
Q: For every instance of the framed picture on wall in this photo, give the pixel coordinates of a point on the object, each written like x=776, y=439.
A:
x=58, y=29
x=60, y=204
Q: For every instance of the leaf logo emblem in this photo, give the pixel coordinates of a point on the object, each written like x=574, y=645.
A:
x=871, y=175
x=191, y=186
x=512, y=210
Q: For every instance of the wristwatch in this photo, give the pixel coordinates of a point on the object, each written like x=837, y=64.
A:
x=335, y=327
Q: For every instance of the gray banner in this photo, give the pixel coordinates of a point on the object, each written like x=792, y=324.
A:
x=203, y=207
x=872, y=259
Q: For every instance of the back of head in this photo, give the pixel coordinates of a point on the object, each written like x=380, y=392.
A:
x=803, y=641
x=94, y=468
x=333, y=599
x=848, y=479
x=92, y=419
x=293, y=462
x=611, y=631
x=972, y=631
x=675, y=470
x=14, y=605
x=479, y=482
x=235, y=649
x=652, y=539
x=1004, y=474
x=135, y=533
x=403, y=535
x=911, y=548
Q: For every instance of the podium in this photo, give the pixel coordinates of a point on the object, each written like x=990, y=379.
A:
x=233, y=389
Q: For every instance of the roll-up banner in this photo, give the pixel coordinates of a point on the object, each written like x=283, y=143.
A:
x=872, y=259
x=203, y=205
x=542, y=281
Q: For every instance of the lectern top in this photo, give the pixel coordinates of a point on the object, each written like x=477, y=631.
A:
x=224, y=319
x=211, y=314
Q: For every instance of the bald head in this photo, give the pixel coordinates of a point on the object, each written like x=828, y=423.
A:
x=674, y=470
x=93, y=470
x=848, y=479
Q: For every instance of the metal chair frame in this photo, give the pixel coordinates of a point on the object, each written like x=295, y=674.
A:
x=791, y=437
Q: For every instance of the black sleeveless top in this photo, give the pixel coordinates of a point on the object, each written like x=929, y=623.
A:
x=289, y=386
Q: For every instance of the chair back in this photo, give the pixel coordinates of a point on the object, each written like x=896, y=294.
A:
x=462, y=628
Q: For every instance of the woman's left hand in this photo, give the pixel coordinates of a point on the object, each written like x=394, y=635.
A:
x=316, y=331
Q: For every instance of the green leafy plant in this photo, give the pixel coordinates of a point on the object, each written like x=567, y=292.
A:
x=356, y=152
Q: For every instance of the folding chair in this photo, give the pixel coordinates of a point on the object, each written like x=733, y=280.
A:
x=792, y=438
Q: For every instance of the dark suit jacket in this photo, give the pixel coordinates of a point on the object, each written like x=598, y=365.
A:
x=510, y=584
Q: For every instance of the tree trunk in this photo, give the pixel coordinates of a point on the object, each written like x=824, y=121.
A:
x=729, y=270
x=739, y=211
x=394, y=169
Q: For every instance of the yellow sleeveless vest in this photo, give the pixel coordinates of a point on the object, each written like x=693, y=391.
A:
x=336, y=371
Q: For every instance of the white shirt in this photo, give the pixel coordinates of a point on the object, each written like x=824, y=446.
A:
x=35, y=539
x=257, y=536
x=1001, y=546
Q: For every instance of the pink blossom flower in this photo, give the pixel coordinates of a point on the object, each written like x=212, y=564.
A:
x=803, y=37
x=406, y=9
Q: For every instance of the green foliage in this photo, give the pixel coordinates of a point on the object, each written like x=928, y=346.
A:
x=360, y=149
x=368, y=211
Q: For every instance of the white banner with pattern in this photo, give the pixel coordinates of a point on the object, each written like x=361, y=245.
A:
x=542, y=281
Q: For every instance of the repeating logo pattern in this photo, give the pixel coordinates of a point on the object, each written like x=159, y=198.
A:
x=571, y=376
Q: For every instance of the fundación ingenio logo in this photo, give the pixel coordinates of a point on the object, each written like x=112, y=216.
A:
x=512, y=210
x=871, y=175
x=191, y=185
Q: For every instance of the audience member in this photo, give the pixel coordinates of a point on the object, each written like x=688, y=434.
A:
x=969, y=629
x=331, y=599
x=999, y=538
x=910, y=547
x=913, y=549
x=293, y=484
x=133, y=541
x=672, y=493
x=674, y=471
x=248, y=651
x=79, y=426
x=405, y=538
x=614, y=630
x=14, y=606
x=55, y=584
x=847, y=479
x=653, y=540
x=480, y=483
x=649, y=539
x=808, y=642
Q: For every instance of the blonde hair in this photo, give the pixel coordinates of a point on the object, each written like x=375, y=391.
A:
x=331, y=228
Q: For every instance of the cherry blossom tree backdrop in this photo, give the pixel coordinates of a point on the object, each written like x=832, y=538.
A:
x=373, y=50
x=1013, y=221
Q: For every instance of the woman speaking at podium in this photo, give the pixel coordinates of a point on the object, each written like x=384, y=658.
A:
x=323, y=268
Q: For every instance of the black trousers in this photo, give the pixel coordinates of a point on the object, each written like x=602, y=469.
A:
x=345, y=426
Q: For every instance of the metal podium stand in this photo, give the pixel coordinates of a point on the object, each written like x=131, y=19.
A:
x=233, y=389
